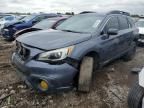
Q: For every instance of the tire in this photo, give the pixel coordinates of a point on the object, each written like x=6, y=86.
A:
x=85, y=75
x=130, y=55
x=135, y=96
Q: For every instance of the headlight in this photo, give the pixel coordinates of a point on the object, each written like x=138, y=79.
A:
x=55, y=55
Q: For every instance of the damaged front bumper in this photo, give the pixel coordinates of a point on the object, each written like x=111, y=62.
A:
x=59, y=77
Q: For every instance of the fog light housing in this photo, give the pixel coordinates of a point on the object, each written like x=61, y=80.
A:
x=43, y=85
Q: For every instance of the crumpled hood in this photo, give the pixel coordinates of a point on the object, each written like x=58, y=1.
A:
x=52, y=39
x=141, y=30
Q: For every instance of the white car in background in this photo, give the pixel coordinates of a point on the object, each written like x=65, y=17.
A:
x=140, y=25
x=7, y=19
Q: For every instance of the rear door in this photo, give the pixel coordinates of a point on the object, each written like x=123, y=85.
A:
x=125, y=33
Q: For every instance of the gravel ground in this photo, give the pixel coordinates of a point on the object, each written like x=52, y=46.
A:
x=109, y=90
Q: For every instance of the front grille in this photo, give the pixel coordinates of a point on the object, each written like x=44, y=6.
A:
x=22, y=52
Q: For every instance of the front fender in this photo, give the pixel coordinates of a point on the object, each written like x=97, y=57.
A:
x=141, y=78
x=84, y=48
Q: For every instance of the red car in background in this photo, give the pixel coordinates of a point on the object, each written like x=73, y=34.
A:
x=49, y=23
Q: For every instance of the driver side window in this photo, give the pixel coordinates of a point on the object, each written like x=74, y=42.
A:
x=111, y=24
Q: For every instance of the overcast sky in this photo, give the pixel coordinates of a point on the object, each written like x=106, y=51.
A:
x=133, y=6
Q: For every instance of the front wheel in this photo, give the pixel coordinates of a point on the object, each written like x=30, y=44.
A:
x=85, y=75
x=135, y=96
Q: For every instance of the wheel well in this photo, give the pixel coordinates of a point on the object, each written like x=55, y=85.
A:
x=92, y=54
x=96, y=58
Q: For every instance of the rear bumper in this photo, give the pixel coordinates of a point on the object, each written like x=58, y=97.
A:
x=59, y=77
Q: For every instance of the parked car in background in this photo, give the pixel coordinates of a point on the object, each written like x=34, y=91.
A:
x=140, y=25
x=10, y=29
x=4, y=15
x=7, y=19
x=56, y=59
x=19, y=19
x=136, y=93
x=42, y=25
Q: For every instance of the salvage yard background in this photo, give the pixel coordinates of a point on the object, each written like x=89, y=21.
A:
x=109, y=90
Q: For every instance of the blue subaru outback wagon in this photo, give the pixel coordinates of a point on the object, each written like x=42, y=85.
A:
x=51, y=60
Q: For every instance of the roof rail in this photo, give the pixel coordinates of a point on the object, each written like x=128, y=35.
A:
x=119, y=12
x=84, y=12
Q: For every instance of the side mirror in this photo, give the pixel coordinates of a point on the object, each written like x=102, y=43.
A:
x=112, y=31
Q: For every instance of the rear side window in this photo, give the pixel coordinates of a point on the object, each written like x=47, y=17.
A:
x=38, y=19
x=123, y=23
x=112, y=23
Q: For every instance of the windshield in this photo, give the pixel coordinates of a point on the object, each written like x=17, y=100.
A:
x=84, y=23
x=45, y=24
x=140, y=24
x=28, y=18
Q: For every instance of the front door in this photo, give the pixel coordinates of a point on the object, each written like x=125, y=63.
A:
x=109, y=43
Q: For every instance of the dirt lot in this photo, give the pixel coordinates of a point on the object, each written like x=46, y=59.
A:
x=109, y=90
